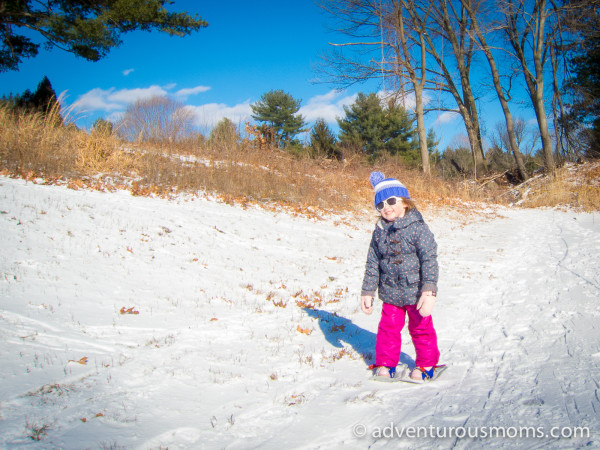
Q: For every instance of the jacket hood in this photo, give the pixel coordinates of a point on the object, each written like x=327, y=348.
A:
x=409, y=218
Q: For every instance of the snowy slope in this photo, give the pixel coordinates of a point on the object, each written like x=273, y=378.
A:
x=244, y=329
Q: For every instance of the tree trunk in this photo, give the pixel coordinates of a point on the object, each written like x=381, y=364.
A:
x=510, y=129
x=462, y=54
x=537, y=96
x=534, y=80
x=421, y=130
x=472, y=135
x=540, y=112
x=418, y=83
x=510, y=126
x=472, y=108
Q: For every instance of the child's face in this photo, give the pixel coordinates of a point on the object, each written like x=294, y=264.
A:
x=392, y=212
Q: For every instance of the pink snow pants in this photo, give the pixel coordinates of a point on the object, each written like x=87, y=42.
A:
x=389, y=339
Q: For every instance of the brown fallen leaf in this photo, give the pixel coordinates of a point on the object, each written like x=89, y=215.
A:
x=82, y=361
x=303, y=330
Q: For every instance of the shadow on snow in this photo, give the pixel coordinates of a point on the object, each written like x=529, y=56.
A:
x=339, y=331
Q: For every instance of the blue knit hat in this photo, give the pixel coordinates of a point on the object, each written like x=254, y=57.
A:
x=387, y=187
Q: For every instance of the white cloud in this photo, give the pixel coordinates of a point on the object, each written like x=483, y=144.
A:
x=327, y=106
x=446, y=117
x=407, y=101
x=127, y=71
x=532, y=122
x=127, y=96
x=110, y=100
x=208, y=115
x=186, y=92
x=96, y=100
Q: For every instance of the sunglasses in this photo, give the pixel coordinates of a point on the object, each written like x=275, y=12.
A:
x=390, y=201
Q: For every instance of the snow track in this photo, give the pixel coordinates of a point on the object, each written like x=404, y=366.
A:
x=248, y=332
x=526, y=324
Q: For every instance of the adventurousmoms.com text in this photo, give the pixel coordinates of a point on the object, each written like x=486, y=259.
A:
x=392, y=431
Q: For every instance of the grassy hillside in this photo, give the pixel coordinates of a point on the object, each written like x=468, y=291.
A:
x=32, y=146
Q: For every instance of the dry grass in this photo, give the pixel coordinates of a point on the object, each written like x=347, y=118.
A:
x=575, y=186
x=32, y=146
x=36, y=144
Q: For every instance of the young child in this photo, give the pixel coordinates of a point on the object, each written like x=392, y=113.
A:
x=402, y=265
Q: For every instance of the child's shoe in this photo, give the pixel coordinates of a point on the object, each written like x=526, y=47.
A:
x=418, y=373
x=385, y=372
x=426, y=374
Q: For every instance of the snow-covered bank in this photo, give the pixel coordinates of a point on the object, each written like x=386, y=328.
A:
x=209, y=326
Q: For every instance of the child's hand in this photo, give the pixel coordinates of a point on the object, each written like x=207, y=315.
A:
x=426, y=304
x=366, y=304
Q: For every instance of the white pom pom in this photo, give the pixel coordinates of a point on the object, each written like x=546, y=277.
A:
x=375, y=178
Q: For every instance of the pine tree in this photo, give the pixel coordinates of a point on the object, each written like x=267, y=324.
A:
x=42, y=101
x=586, y=87
x=323, y=141
x=278, y=110
x=85, y=28
x=24, y=100
x=377, y=128
x=44, y=97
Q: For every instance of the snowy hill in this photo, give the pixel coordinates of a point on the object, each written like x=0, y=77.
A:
x=130, y=322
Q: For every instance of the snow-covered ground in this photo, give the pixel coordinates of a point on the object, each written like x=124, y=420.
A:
x=129, y=322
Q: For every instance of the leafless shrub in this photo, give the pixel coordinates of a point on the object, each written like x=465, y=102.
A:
x=156, y=119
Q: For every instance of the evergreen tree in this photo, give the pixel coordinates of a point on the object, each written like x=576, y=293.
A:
x=586, y=87
x=375, y=128
x=278, y=110
x=323, y=141
x=24, y=101
x=432, y=141
x=87, y=29
x=42, y=101
x=44, y=98
x=432, y=146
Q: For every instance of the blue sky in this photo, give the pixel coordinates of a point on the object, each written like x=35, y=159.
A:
x=248, y=49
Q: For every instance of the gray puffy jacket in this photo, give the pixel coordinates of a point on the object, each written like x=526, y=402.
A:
x=402, y=260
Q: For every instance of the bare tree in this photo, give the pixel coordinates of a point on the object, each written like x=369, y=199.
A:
x=403, y=32
x=358, y=59
x=529, y=34
x=454, y=25
x=389, y=47
x=429, y=20
x=404, y=43
x=156, y=119
x=415, y=67
x=474, y=11
x=522, y=135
